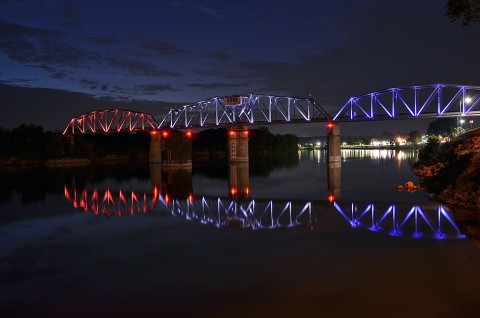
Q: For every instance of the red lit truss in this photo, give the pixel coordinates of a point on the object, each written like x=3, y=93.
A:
x=111, y=120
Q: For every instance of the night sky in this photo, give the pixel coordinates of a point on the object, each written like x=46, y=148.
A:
x=62, y=58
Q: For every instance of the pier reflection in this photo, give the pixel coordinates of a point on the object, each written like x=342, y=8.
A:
x=433, y=221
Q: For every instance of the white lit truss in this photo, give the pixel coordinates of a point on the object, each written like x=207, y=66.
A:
x=432, y=221
x=111, y=120
x=253, y=109
x=437, y=100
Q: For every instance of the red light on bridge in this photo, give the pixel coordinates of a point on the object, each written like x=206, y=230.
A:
x=188, y=134
x=331, y=198
x=165, y=134
x=245, y=132
x=232, y=133
x=330, y=125
x=153, y=132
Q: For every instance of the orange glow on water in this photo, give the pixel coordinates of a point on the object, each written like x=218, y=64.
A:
x=190, y=198
x=247, y=190
x=233, y=191
x=331, y=198
x=167, y=198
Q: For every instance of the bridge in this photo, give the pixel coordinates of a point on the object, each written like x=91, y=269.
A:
x=238, y=112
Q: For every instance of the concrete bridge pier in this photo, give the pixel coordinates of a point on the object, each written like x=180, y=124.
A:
x=334, y=175
x=172, y=183
x=238, y=145
x=334, y=161
x=171, y=148
x=238, y=180
x=333, y=143
x=155, y=155
x=155, y=169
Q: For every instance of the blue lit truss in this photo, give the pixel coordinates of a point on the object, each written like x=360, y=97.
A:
x=415, y=101
x=253, y=109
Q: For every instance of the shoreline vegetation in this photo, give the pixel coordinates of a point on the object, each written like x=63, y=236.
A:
x=451, y=172
x=30, y=146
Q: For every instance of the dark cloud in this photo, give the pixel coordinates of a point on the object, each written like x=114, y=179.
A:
x=159, y=47
x=211, y=11
x=217, y=85
x=218, y=56
x=139, y=68
x=101, y=40
x=53, y=108
x=152, y=89
x=34, y=45
x=89, y=83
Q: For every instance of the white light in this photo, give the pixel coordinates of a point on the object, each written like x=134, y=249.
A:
x=462, y=121
x=468, y=100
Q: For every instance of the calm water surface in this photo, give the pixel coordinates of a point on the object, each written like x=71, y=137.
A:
x=242, y=241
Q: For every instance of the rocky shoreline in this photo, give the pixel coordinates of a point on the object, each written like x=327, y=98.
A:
x=453, y=177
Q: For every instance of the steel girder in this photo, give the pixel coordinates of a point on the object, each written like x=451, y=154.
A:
x=253, y=109
x=415, y=101
x=111, y=120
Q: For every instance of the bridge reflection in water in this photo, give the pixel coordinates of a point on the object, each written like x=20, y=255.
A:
x=433, y=221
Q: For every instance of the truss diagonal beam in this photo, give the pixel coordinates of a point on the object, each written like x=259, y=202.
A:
x=111, y=120
x=250, y=109
x=436, y=100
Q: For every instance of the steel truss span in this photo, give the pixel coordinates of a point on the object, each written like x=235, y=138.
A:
x=432, y=221
x=249, y=109
x=111, y=120
x=437, y=100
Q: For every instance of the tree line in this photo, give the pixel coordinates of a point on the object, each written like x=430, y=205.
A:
x=31, y=142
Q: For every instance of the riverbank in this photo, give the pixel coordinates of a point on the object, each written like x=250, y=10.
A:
x=453, y=175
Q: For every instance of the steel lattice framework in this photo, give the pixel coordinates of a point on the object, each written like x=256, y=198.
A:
x=415, y=101
x=111, y=120
x=397, y=220
x=252, y=109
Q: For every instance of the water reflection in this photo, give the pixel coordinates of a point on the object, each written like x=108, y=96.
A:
x=433, y=221
x=319, y=155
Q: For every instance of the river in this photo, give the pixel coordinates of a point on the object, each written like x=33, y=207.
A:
x=278, y=238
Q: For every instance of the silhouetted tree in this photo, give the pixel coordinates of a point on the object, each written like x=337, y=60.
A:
x=415, y=136
x=467, y=10
x=442, y=126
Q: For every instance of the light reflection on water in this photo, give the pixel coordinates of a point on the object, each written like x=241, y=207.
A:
x=149, y=242
x=398, y=220
x=319, y=155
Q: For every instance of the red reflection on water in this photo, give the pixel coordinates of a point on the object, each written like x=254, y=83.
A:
x=112, y=202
